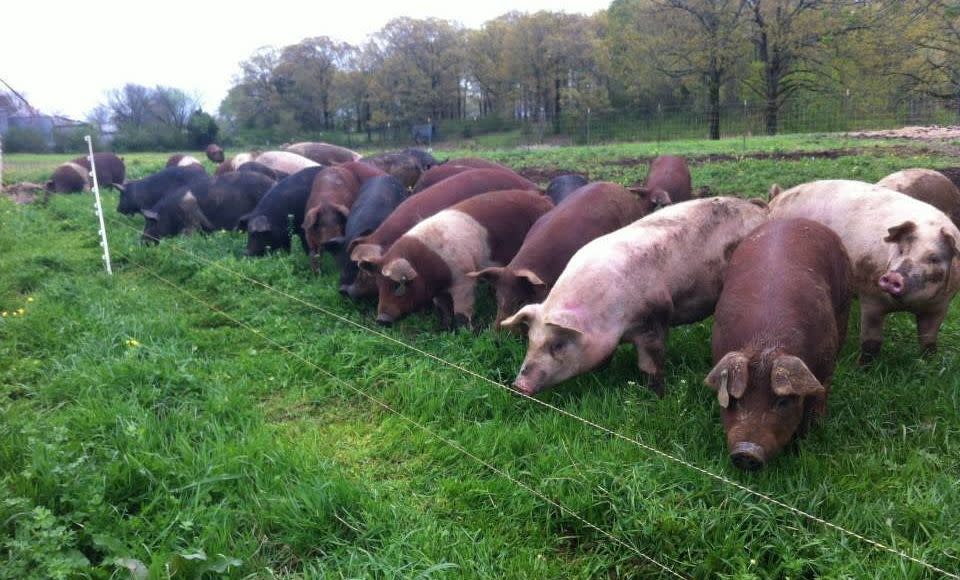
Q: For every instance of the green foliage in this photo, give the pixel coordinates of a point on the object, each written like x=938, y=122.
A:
x=202, y=129
x=142, y=433
x=24, y=140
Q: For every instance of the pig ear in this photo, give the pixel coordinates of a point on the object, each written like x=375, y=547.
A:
x=729, y=377
x=150, y=214
x=400, y=270
x=952, y=242
x=341, y=209
x=523, y=317
x=790, y=376
x=258, y=223
x=898, y=232
x=367, y=256
x=490, y=274
x=192, y=206
x=659, y=198
x=310, y=220
x=567, y=320
x=774, y=191
x=531, y=277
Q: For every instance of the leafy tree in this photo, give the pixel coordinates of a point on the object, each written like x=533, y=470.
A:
x=202, y=129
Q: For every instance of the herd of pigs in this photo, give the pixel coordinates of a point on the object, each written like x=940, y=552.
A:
x=583, y=267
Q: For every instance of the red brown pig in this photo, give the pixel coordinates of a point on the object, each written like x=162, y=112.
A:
x=779, y=325
x=332, y=195
x=235, y=162
x=928, y=186
x=592, y=211
x=323, y=153
x=214, y=153
x=69, y=177
x=429, y=263
x=905, y=253
x=430, y=201
x=671, y=174
x=631, y=286
x=362, y=170
x=435, y=175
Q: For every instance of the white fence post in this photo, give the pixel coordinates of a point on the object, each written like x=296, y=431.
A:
x=98, y=206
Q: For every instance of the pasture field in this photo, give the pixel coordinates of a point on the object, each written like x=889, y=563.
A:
x=200, y=413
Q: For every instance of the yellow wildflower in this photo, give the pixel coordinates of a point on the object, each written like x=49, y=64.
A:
x=21, y=311
x=3, y=314
x=29, y=298
x=133, y=343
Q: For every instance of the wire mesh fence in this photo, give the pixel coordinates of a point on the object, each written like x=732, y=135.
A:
x=738, y=122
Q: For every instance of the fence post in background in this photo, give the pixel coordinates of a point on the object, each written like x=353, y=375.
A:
x=588, y=126
x=659, y=124
x=746, y=126
x=98, y=206
x=1, y=163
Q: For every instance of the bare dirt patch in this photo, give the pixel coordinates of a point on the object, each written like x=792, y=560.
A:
x=24, y=193
x=916, y=133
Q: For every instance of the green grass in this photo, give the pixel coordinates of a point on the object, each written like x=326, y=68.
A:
x=136, y=423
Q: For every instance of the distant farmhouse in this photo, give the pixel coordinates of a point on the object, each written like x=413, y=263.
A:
x=17, y=113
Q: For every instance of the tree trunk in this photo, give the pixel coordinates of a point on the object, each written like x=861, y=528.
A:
x=714, y=105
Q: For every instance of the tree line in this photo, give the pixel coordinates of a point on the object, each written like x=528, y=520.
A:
x=635, y=56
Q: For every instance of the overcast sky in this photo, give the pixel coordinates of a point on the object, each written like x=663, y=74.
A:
x=64, y=57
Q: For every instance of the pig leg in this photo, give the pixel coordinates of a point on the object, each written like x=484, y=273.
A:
x=871, y=329
x=463, y=293
x=444, y=305
x=651, y=354
x=928, y=327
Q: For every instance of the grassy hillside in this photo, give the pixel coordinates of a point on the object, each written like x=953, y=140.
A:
x=179, y=417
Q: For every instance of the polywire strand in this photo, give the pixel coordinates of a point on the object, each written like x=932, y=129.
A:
x=679, y=461
x=449, y=442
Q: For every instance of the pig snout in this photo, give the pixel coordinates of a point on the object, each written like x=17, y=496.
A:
x=748, y=456
x=525, y=382
x=384, y=319
x=892, y=283
x=345, y=290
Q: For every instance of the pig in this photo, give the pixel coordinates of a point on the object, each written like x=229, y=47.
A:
x=182, y=160
x=74, y=175
x=430, y=201
x=323, y=153
x=377, y=199
x=429, y=263
x=234, y=163
x=362, y=170
x=284, y=161
x=671, y=174
x=262, y=169
x=630, y=285
x=206, y=205
x=437, y=174
x=477, y=163
x=142, y=194
x=332, y=195
x=268, y=225
x=69, y=177
x=407, y=165
x=214, y=153
x=928, y=186
x=779, y=325
x=592, y=211
x=904, y=252
x=562, y=186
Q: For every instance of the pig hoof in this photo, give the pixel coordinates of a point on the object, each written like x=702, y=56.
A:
x=868, y=352
x=748, y=456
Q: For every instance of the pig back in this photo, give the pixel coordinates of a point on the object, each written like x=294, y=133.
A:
x=592, y=211
x=788, y=285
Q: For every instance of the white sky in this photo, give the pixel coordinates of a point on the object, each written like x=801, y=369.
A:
x=195, y=46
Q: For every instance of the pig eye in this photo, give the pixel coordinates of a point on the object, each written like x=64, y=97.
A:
x=400, y=289
x=784, y=403
x=557, y=347
x=933, y=259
